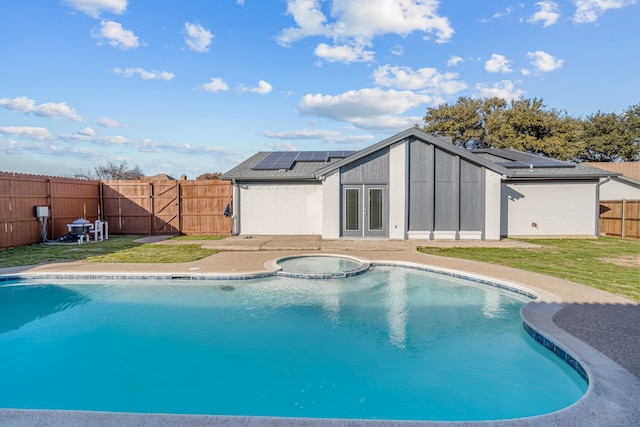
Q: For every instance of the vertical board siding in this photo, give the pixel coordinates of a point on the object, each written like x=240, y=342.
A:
x=371, y=169
x=446, y=192
x=421, y=186
x=471, y=197
x=613, y=213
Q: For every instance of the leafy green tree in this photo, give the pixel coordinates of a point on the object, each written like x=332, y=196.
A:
x=612, y=138
x=528, y=126
x=631, y=121
x=604, y=136
x=463, y=121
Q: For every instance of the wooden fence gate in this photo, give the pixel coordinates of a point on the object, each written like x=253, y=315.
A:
x=620, y=218
x=167, y=207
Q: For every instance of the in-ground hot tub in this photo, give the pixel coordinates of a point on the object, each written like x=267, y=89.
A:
x=321, y=266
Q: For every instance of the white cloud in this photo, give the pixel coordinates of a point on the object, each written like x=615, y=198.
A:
x=543, y=61
x=508, y=11
x=454, y=60
x=96, y=139
x=215, y=85
x=357, y=106
x=144, y=74
x=588, y=11
x=344, y=53
x=428, y=79
x=357, y=22
x=116, y=35
x=548, y=13
x=87, y=132
x=309, y=18
x=282, y=146
x=50, y=110
x=108, y=122
x=36, y=133
x=504, y=89
x=301, y=134
x=94, y=8
x=389, y=124
x=397, y=50
x=263, y=88
x=328, y=136
x=497, y=64
x=198, y=38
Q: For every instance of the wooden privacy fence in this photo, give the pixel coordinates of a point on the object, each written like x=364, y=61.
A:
x=130, y=207
x=68, y=199
x=620, y=218
x=167, y=207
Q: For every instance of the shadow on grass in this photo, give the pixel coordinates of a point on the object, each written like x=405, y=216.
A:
x=45, y=253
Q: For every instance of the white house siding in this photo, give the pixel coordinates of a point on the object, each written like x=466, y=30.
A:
x=617, y=189
x=291, y=208
x=397, y=190
x=493, y=184
x=548, y=209
x=331, y=206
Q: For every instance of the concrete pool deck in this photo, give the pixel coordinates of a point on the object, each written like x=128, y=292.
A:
x=601, y=330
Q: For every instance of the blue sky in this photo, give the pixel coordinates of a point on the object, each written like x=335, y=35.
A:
x=187, y=87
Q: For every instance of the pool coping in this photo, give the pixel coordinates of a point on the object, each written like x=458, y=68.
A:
x=611, y=399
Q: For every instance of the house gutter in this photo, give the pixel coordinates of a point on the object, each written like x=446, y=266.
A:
x=235, y=208
x=598, y=205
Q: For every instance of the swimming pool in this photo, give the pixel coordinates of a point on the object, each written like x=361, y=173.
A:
x=391, y=343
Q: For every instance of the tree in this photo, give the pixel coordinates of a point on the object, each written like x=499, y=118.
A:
x=464, y=121
x=528, y=126
x=631, y=121
x=209, y=175
x=604, y=135
x=113, y=171
x=610, y=137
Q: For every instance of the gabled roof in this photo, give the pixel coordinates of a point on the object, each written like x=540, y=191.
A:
x=415, y=133
x=247, y=171
x=511, y=164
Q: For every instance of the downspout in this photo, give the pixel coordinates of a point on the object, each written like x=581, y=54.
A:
x=235, y=208
x=598, y=205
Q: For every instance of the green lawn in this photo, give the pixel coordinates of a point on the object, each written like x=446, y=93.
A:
x=608, y=263
x=116, y=249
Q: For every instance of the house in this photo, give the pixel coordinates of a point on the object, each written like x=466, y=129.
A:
x=622, y=181
x=414, y=185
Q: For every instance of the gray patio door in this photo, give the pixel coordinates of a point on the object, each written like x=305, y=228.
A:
x=365, y=211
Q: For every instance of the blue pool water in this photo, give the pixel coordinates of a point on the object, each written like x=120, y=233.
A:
x=391, y=343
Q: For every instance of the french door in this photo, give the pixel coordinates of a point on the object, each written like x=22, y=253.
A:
x=364, y=210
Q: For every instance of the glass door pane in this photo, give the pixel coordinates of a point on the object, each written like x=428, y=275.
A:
x=376, y=210
x=351, y=209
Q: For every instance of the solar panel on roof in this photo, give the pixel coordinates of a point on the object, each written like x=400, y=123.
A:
x=285, y=159
x=517, y=159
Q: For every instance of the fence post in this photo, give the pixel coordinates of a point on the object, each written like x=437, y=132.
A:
x=179, y=190
x=152, y=211
x=624, y=205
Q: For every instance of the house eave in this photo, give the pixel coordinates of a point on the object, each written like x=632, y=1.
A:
x=421, y=136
